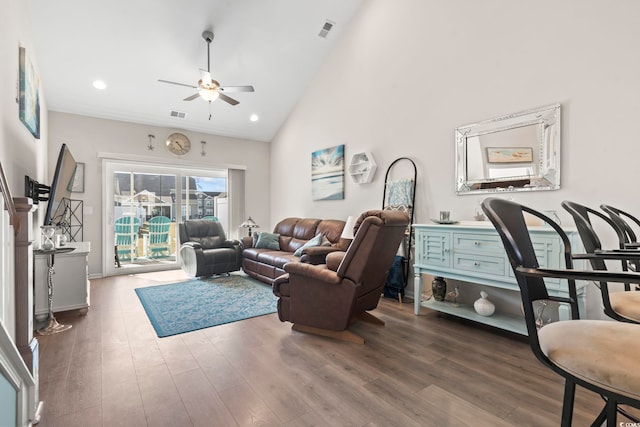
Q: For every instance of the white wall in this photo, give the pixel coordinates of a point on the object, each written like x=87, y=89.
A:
x=406, y=73
x=20, y=153
x=86, y=137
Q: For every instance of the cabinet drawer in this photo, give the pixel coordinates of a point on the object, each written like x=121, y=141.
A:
x=478, y=243
x=433, y=248
x=484, y=264
x=549, y=252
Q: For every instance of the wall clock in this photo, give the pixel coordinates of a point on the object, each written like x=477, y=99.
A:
x=178, y=143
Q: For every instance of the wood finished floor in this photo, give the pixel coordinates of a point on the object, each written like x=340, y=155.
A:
x=111, y=369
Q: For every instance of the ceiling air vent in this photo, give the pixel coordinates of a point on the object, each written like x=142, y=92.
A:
x=178, y=114
x=328, y=25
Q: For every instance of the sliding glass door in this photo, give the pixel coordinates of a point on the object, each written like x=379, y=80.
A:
x=207, y=198
x=144, y=206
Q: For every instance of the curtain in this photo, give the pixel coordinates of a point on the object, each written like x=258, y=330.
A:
x=236, y=193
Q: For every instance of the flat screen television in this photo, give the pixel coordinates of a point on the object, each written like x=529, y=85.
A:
x=60, y=188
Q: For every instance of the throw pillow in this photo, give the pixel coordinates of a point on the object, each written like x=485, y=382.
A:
x=315, y=241
x=268, y=241
x=325, y=241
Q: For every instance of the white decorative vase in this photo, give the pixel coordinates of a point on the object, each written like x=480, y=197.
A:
x=483, y=306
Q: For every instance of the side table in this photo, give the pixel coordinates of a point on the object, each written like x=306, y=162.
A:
x=72, y=290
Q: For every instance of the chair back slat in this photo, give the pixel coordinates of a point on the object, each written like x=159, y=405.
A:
x=581, y=217
x=618, y=217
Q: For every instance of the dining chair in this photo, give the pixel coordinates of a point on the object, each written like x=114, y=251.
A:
x=598, y=355
x=623, y=221
x=624, y=305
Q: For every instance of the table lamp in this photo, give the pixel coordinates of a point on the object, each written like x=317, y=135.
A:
x=347, y=232
x=249, y=223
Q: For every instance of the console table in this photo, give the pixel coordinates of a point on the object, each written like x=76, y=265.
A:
x=71, y=288
x=472, y=251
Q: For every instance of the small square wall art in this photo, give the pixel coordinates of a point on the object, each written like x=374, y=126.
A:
x=327, y=173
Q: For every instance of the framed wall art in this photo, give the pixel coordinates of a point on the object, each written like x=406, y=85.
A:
x=77, y=185
x=29, y=94
x=327, y=173
x=509, y=155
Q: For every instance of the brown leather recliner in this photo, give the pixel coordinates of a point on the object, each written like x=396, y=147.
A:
x=205, y=250
x=326, y=299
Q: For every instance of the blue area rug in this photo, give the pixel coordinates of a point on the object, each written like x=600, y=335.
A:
x=201, y=303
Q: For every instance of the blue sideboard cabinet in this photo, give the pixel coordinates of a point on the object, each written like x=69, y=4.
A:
x=473, y=252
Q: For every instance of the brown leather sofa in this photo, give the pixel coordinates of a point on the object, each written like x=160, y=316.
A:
x=325, y=299
x=267, y=264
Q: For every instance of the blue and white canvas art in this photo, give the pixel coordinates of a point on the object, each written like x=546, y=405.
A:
x=29, y=96
x=327, y=173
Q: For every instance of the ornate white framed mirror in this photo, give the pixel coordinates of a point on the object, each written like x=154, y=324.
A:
x=515, y=152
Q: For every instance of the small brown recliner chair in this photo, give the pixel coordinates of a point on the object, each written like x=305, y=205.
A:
x=205, y=250
x=325, y=299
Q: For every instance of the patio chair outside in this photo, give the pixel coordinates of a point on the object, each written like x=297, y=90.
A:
x=159, y=236
x=126, y=239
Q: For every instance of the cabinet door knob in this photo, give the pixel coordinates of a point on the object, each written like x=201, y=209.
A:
x=476, y=263
x=476, y=243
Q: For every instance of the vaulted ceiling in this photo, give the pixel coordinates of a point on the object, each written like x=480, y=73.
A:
x=273, y=45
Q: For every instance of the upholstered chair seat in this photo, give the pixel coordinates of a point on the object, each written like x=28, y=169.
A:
x=583, y=348
x=626, y=304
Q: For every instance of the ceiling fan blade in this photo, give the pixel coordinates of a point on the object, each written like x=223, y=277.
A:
x=192, y=97
x=176, y=83
x=237, y=89
x=206, y=77
x=225, y=98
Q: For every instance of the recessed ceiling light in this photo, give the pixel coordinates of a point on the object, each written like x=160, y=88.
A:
x=254, y=117
x=99, y=84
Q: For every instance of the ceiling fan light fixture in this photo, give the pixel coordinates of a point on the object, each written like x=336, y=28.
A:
x=208, y=88
x=208, y=94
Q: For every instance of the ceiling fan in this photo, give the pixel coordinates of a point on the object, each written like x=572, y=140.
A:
x=209, y=89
